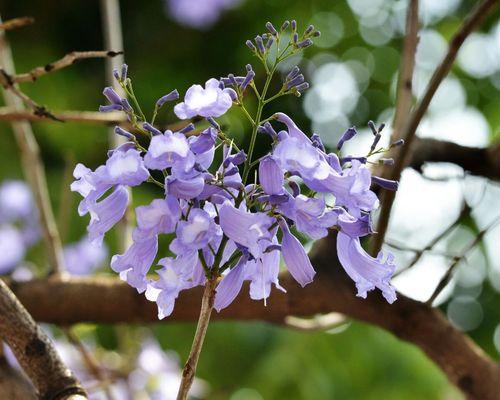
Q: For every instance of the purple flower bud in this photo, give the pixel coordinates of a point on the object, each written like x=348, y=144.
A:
x=232, y=93
x=124, y=72
x=225, y=81
x=232, y=171
x=126, y=105
x=271, y=29
x=317, y=142
x=375, y=142
x=302, y=87
x=187, y=128
x=268, y=129
x=294, y=25
x=123, y=132
x=295, y=37
x=398, y=142
x=269, y=43
x=295, y=81
x=285, y=25
x=317, y=34
x=111, y=95
x=214, y=123
x=116, y=74
x=260, y=44
x=232, y=79
x=249, y=67
x=362, y=160
x=309, y=29
x=248, y=79
x=347, y=135
x=295, y=188
x=373, y=128
x=173, y=95
x=293, y=73
x=386, y=161
x=110, y=107
x=239, y=158
x=250, y=45
x=385, y=183
x=151, y=129
x=305, y=43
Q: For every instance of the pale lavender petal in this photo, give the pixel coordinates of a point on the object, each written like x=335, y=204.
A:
x=296, y=259
x=230, y=286
x=271, y=176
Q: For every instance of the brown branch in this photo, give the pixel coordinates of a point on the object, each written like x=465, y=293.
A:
x=86, y=117
x=13, y=384
x=402, y=154
x=404, y=95
x=33, y=166
x=15, y=23
x=477, y=161
x=68, y=60
x=108, y=300
x=35, y=352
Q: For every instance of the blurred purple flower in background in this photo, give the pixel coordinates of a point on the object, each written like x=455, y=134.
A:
x=198, y=14
x=83, y=258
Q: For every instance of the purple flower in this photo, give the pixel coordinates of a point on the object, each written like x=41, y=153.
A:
x=16, y=201
x=354, y=227
x=135, y=263
x=199, y=14
x=177, y=274
x=125, y=167
x=82, y=258
x=106, y=213
x=204, y=142
x=310, y=215
x=164, y=150
x=271, y=176
x=367, y=272
x=245, y=228
x=184, y=188
x=263, y=273
x=12, y=248
x=211, y=101
x=161, y=216
x=195, y=233
x=230, y=286
x=296, y=259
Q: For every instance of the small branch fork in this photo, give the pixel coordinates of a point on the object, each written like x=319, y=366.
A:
x=15, y=23
x=402, y=156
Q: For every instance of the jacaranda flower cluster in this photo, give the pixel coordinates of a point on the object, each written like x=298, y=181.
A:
x=231, y=220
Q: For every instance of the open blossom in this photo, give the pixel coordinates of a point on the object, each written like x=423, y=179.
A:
x=211, y=101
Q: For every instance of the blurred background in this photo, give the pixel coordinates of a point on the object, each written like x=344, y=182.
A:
x=353, y=72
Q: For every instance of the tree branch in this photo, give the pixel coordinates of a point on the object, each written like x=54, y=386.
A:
x=34, y=351
x=15, y=23
x=402, y=154
x=477, y=161
x=108, y=300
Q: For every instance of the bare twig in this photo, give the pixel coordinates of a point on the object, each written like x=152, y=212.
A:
x=449, y=272
x=33, y=167
x=90, y=117
x=15, y=23
x=67, y=61
x=35, y=352
x=476, y=17
x=92, y=364
x=189, y=370
x=466, y=210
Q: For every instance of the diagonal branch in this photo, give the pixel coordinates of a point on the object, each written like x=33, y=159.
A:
x=35, y=352
x=402, y=154
x=68, y=60
x=15, y=23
